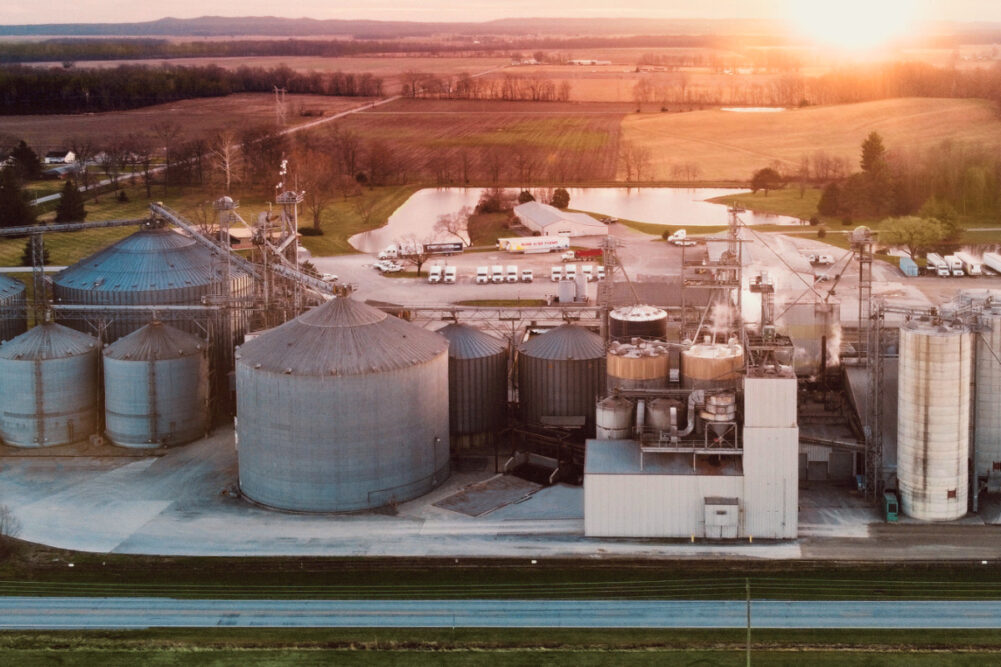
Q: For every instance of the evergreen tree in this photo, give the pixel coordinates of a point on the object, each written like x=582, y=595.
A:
x=830, y=200
x=71, y=204
x=525, y=196
x=28, y=164
x=15, y=211
x=561, y=198
x=27, y=256
x=873, y=154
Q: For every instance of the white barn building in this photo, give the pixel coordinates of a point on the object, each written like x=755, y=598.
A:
x=551, y=221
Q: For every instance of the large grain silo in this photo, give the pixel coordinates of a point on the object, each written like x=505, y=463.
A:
x=13, y=320
x=933, y=420
x=343, y=408
x=156, y=387
x=48, y=387
x=561, y=374
x=155, y=266
x=477, y=385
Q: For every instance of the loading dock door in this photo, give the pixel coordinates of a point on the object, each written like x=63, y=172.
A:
x=722, y=516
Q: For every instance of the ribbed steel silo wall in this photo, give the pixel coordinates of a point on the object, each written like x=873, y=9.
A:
x=988, y=398
x=563, y=387
x=342, y=443
x=933, y=421
x=478, y=394
x=153, y=403
x=13, y=312
x=48, y=402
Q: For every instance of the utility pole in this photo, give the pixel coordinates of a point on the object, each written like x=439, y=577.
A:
x=747, y=590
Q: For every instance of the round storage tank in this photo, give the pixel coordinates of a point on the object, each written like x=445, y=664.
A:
x=933, y=420
x=48, y=387
x=658, y=414
x=988, y=400
x=13, y=319
x=343, y=408
x=477, y=386
x=561, y=374
x=156, y=388
x=639, y=364
x=614, y=418
x=711, y=365
x=637, y=322
x=809, y=325
x=151, y=267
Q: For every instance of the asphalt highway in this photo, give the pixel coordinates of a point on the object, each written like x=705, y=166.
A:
x=53, y=613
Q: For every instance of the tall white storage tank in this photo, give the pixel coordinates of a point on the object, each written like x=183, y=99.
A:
x=988, y=399
x=933, y=420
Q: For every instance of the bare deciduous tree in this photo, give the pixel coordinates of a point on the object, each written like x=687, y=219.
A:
x=10, y=528
x=225, y=156
x=455, y=224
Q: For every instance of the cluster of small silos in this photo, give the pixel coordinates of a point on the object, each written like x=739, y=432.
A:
x=13, y=314
x=561, y=373
x=344, y=408
x=638, y=364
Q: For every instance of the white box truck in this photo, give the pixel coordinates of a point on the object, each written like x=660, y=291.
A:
x=971, y=265
x=938, y=265
x=482, y=275
x=955, y=265
x=556, y=274
x=450, y=275
x=434, y=274
x=497, y=273
x=512, y=273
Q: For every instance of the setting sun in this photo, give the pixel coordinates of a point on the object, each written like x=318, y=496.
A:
x=852, y=24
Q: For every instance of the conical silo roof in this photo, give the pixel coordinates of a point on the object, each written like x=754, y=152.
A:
x=466, y=342
x=149, y=260
x=10, y=287
x=565, y=342
x=342, y=337
x=153, y=342
x=48, y=341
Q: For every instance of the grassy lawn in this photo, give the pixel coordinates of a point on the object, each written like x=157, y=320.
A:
x=342, y=219
x=528, y=646
x=486, y=228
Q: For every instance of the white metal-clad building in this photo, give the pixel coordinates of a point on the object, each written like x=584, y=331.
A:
x=551, y=221
x=632, y=494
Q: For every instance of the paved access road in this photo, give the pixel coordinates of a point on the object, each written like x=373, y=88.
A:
x=51, y=613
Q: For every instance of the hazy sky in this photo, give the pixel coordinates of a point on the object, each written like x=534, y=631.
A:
x=88, y=11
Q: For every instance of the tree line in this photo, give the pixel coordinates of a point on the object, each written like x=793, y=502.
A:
x=30, y=90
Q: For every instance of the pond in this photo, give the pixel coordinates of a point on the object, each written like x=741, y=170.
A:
x=685, y=207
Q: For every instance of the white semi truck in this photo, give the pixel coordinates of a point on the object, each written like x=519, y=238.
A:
x=971, y=265
x=534, y=244
x=938, y=265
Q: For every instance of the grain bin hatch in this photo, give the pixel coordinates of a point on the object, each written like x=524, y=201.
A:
x=342, y=337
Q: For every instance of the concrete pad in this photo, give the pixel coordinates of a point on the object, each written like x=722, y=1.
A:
x=483, y=497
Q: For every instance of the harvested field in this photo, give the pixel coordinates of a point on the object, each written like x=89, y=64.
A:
x=728, y=145
x=522, y=142
x=198, y=117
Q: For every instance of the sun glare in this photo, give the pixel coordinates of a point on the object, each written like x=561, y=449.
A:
x=852, y=24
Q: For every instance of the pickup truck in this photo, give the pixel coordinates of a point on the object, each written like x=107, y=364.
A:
x=497, y=273
x=512, y=273
x=581, y=255
x=434, y=274
x=450, y=275
x=482, y=275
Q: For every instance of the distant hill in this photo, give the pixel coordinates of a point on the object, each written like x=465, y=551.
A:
x=219, y=26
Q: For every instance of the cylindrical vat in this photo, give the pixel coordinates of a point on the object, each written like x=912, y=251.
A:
x=933, y=420
x=637, y=322
x=711, y=366
x=614, y=418
x=811, y=325
x=13, y=319
x=343, y=408
x=561, y=374
x=48, y=387
x=156, y=388
x=988, y=399
x=639, y=364
x=659, y=414
x=477, y=385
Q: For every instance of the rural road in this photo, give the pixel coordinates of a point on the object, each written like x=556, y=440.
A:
x=51, y=613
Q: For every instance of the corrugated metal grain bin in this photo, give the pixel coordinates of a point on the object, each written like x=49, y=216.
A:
x=933, y=420
x=987, y=427
x=343, y=408
x=156, y=387
x=48, y=387
x=151, y=267
x=477, y=385
x=13, y=321
x=561, y=374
